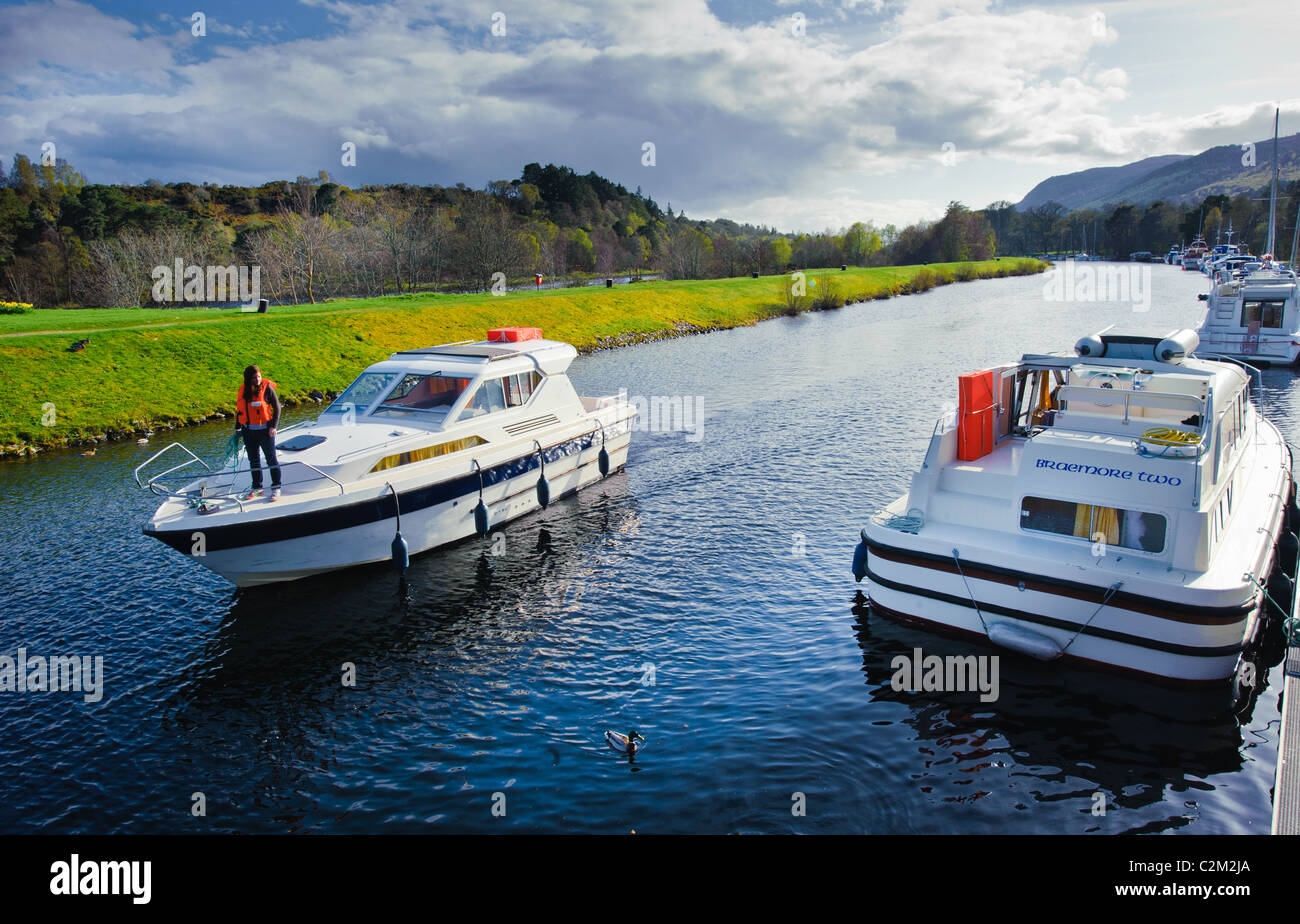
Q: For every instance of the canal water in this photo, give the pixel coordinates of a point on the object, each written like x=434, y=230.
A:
x=702, y=597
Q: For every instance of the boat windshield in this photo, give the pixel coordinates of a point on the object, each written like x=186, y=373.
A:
x=362, y=393
x=429, y=396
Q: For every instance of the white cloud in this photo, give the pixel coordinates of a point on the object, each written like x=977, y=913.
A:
x=841, y=121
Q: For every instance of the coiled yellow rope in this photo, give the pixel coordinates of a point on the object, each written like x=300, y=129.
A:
x=1167, y=436
x=1168, y=442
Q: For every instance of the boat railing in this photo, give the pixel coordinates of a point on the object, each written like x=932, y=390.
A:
x=1157, y=400
x=211, y=492
x=384, y=445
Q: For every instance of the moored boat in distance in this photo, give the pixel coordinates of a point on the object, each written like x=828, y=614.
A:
x=433, y=445
x=1195, y=251
x=1252, y=315
x=1118, y=506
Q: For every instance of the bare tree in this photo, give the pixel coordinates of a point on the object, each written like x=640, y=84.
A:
x=486, y=243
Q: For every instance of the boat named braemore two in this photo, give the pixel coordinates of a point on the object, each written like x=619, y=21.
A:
x=425, y=448
x=1119, y=506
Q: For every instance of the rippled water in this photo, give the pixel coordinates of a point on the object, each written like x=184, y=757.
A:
x=703, y=597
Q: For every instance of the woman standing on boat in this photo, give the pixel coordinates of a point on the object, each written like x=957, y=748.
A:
x=257, y=414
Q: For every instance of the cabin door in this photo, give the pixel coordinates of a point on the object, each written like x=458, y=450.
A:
x=1250, y=342
x=1004, y=385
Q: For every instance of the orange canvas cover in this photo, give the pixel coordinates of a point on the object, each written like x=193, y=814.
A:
x=976, y=408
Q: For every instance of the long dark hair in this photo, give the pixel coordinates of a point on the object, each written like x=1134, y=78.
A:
x=250, y=382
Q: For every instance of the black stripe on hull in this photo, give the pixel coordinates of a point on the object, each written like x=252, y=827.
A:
x=1195, y=651
x=362, y=513
x=1122, y=599
x=1118, y=670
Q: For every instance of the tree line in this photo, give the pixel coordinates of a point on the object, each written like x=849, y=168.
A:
x=67, y=243
x=1125, y=228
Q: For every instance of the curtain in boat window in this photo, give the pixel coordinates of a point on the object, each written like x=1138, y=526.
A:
x=1129, y=529
x=1083, y=521
x=1090, y=521
x=1106, y=523
x=427, y=452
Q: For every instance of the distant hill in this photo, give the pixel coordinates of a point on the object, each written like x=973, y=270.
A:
x=1171, y=178
x=1073, y=190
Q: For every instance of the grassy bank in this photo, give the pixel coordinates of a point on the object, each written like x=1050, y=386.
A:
x=147, y=368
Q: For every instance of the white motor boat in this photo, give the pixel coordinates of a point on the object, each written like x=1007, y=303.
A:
x=1194, y=253
x=430, y=445
x=1252, y=316
x=1119, y=506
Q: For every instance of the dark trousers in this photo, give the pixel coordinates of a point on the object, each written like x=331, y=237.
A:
x=256, y=441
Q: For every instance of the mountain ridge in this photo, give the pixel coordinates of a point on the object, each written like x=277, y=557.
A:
x=1171, y=178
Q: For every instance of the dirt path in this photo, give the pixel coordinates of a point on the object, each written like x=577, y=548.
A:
x=231, y=320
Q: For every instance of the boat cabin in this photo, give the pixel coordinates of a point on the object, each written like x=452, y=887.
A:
x=1256, y=314
x=425, y=403
x=1116, y=444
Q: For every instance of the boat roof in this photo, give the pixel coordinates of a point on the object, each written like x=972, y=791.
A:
x=1126, y=350
x=484, y=349
x=548, y=356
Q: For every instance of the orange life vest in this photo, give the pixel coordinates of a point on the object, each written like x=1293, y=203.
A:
x=257, y=411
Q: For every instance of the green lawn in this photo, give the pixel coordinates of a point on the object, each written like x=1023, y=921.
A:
x=145, y=367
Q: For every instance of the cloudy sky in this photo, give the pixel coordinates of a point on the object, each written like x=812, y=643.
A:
x=803, y=114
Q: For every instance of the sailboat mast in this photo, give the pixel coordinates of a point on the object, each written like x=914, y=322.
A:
x=1272, y=202
x=1295, y=238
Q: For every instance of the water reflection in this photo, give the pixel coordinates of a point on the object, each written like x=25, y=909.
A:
x=483, y=673
x=1075, y=731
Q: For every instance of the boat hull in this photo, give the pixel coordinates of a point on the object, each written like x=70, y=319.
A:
x=431, y=516
x=1184, y=643
x=1171, y=633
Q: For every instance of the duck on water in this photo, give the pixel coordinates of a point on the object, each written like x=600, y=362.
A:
x=1119, y=506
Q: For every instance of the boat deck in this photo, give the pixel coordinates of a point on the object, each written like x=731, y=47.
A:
x=1286, y=788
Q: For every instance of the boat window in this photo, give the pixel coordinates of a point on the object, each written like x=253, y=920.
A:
x=1128, y=529
x=519, y=388
x=427, y=452
x=362, y=393
x=489, y=397
x=427, y=395
x=1267, y=312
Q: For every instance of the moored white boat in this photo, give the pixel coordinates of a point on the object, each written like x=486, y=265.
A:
x=1194, y=253
x=454, y=440
x=1118, y=506
x=1252, y=316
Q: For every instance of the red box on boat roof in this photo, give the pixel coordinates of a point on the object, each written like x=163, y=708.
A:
x=513, y=334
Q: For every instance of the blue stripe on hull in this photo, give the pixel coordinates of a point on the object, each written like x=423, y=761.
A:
x=373, y=510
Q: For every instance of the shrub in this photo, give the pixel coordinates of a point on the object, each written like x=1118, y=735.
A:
x=825, y=294
x=791, y=302
x=923, y=281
